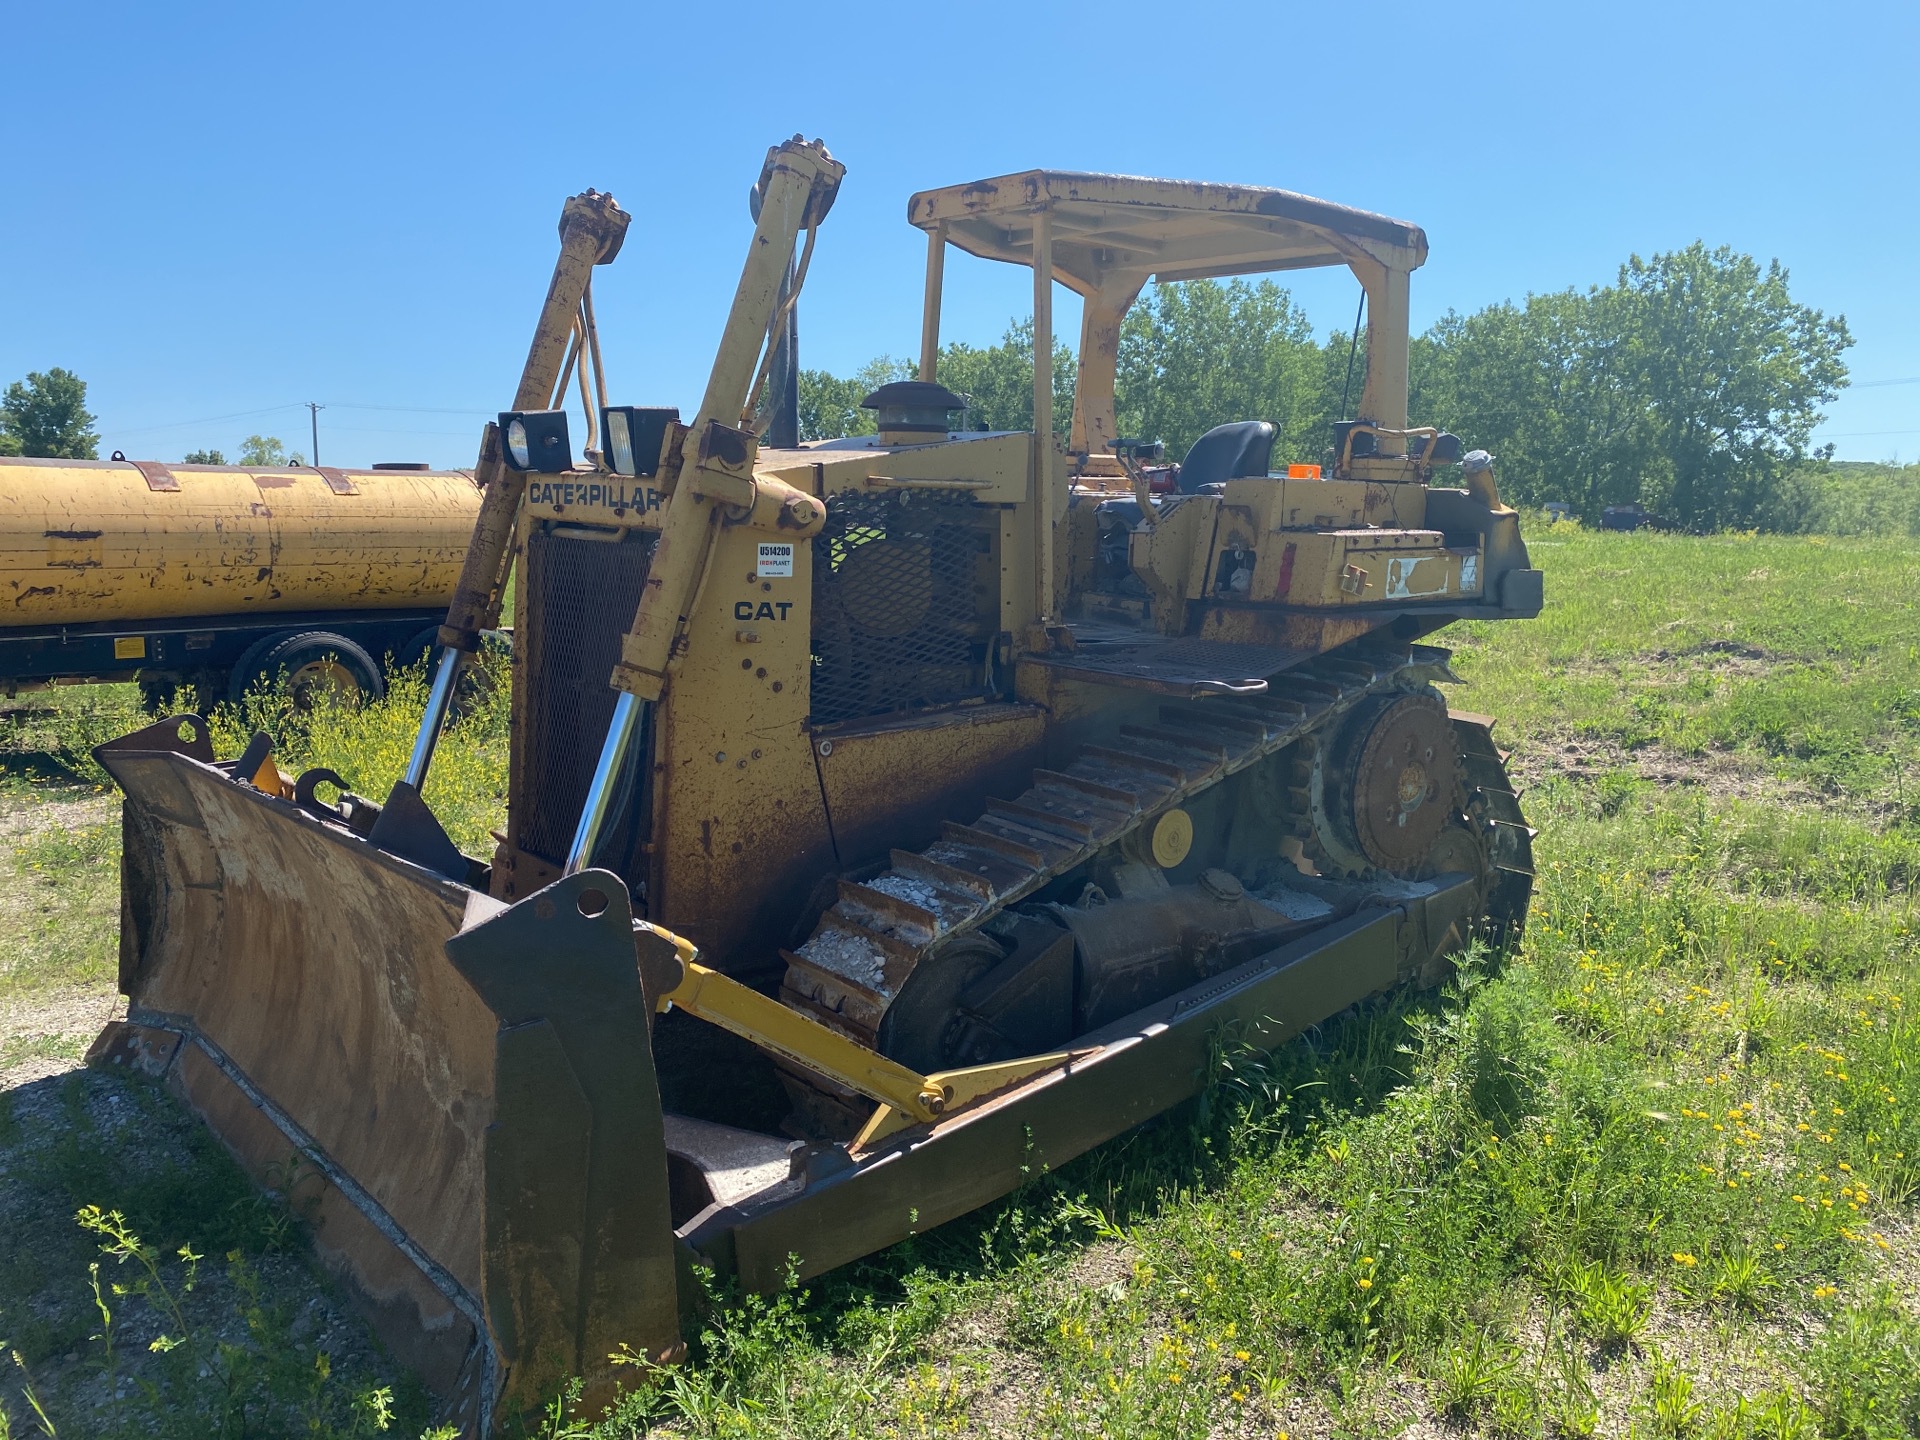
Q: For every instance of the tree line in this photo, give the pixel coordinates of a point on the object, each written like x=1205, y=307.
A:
x=1690, y=385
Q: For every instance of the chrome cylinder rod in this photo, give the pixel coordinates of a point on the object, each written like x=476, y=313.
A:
x=606, y=776
x=439, y=698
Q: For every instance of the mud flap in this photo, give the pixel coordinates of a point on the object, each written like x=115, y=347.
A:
x=579, y=1246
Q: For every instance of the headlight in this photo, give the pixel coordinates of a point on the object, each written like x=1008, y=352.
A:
x=537, y=440
x=619, y=442
x=635, y=435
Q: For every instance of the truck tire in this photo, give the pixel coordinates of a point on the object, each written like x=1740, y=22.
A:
x=314, y=664
x=421, y=647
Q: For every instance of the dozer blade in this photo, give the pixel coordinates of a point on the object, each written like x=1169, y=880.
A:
x=460, y=1095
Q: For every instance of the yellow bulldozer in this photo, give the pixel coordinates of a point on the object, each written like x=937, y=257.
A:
x=890, y=817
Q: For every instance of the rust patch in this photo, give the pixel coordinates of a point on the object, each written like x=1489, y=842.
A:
x=159, y=477
x=274, y=482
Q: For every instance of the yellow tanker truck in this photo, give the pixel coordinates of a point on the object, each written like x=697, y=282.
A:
x=219, y=575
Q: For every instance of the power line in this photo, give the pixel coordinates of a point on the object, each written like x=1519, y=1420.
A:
x=411, y=409
x=297, y=405
x=206, y=420
x=370, y=430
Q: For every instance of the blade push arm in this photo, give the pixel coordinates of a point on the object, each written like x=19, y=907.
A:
x=905, y=1096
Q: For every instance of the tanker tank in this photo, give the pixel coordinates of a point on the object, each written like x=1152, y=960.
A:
x=120, y=569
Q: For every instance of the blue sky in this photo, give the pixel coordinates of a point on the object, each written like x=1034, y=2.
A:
x=207, y=210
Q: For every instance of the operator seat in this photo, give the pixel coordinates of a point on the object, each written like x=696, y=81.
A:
x=1227, y=452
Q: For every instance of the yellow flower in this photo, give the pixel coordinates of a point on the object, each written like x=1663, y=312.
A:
x=1682, y=1258
x=1365, y=1283
x=1243, y=1356
x=1234, y=1253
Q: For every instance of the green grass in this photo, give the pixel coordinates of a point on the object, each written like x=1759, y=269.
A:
x=62, y=908
x=1655, y=1173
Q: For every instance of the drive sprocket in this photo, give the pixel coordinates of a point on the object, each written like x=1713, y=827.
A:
x=1385, y=794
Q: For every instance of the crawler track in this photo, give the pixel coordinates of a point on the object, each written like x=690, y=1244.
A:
x=878, y=930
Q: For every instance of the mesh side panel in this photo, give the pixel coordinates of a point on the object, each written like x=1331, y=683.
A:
x=581, y=596
x=903, y=607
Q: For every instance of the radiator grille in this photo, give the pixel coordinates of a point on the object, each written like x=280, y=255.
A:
x=904, y=604
x=581, y=595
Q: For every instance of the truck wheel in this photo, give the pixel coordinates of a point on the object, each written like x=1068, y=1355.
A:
x=422, y=648
x=317, y=665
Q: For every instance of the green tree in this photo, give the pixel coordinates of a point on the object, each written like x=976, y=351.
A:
x=1199, y=354
x=1538, y=385
x=204, y=457
x=1732, y=373
x=268, y=452
x=46, y=415
x=830, y=406
x=1691, y=385
x=997, y=381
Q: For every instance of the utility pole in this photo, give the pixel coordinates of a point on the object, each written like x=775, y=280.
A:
x=314, y=413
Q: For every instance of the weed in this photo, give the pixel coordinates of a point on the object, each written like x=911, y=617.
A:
x=1472, y=1373
x=1611, y=1308
x=1739, y=1276
x=1676, y=1410
x=1572, y=1404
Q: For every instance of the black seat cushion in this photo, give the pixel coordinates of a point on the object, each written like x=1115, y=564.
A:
x=1227, y=452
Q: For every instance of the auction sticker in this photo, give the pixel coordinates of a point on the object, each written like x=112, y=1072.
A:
x=776, y=561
